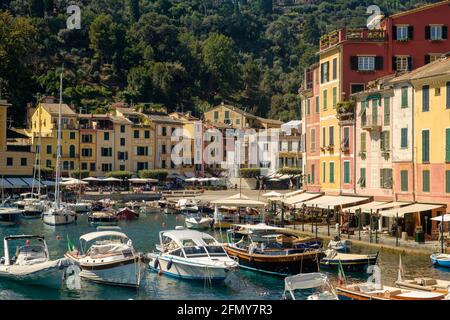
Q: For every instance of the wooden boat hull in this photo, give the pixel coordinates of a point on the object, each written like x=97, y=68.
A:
x=348, y=294
x=279, y=265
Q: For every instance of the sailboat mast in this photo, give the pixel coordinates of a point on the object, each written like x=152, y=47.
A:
x=58, y=148
x=40, y=146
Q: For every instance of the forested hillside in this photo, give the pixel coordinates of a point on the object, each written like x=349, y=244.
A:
x=183, y=54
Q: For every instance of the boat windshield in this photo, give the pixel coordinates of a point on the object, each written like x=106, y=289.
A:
x=209, y=241
x=216, y=251
x=195, y=251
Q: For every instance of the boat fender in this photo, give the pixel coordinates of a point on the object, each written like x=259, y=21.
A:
x=169, y=264
x=156, y=263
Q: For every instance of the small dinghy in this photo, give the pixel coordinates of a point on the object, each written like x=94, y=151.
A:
x=349, y=262
x=31, y=263
x=198, y=222
x=339, y=245
x=10, y=216
x=102, y=218
x=441, y=259
x=308, y=286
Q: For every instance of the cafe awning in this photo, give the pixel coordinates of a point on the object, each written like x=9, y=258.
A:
x=326, y=202
x=298, y=199
x=293, y=193
x=18, y=183
x=446, y=218
x=366, y=207
x=416, y=207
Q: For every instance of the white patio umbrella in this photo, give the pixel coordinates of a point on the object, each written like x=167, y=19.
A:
x=439, y=218
x=111, y=179
x=73, y=182
x=193, y=179
x=271, y=194
x=142, y=180
x=91, y=179
x=204, y=180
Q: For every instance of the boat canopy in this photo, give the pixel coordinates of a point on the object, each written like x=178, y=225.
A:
x=23, y=236
x=257, y=227
x=417, y=207
x=325, y=202
x=95, y=235
x=305, y=281
x=183, y=234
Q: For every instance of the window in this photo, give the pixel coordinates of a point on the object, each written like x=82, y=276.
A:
x=426, y=146
x=324, y=72
x=72, y=151
x=48, y=163
x=312, y=140
x=317, y=103
x=346, y=171
x=404, y=180
x=308, y=106
x=448, y=95
x=363, y=142
x=49, y=149
x=72, y=136
x=331, y=172
x=106, y=152
x=331, y=136
x=362, y=177
x=447, y=145
x=216, y=116
x=426, y=181
x=164, y=131
x=86, y=152
x=366, y=63
x=324, y=130
x=122, y=142
x=142, y=151
x=387, y=111
x=92, y=166
x=386, y=178
x=122, y=129
x=163, y=149
x=23, y=162
x=402, y=63
x=375, y=112
x=334, y=96
x=83, y=166
x=147, y=134
x=227, y=115
x=86, y=138
x=346, y=142
x=405, y=97
x=122, y=155
x=384, y=141
x=106, y=167
x=66, y=165
x=404, y=138
x=447, y=181
x=142, y=166
x=106, y=136
x=324, y=171
x=312, y=174
x=436, y=32
x=238, y=121
x=325, y=99
x=402, y=32
x=355, y=88
x=136, y=134
x=163, y=164
x=334, y=68
x=425, y=98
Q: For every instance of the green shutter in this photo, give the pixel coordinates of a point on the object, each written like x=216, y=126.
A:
x=362, y=177
x=426, y=180
x=324, y=171
x=447, y=181
x=312, y=174
x=375, y=112
x=387, y=111
x=425, y=146
x=334, y=97
x=324, y=130
x=447, y=145
x=331, y=172
x=308, y=106
x=363, y=141
x=346, y=172
x=404, y=138
x=317, y=104
x=404, y=180
x=325, y=99
x=405, y=97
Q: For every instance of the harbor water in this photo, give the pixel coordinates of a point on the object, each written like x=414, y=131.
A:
x=240, y=285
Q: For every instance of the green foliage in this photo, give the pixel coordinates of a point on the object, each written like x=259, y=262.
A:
x=120, y=174
x=161, y=175
x=79, y=174
x=290, y=171
x=250, y=172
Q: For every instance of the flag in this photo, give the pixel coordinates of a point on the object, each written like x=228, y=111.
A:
x=400, y=269
x=70, y=245
x=341, y=275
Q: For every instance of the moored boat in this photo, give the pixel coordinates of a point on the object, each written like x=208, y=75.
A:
x=10, y=216
x=198, y=221
x=349, y=262
x=191, y=255
x=107, y=257
x=102, y=218
x=59, y=216
x=81, y=207
x=441, y=259
x=339, y=245
x=127, y=214
x=308, y=286
x=273, y=250
x=31, y=264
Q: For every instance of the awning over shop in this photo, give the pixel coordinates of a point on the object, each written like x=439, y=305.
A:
x=326, y=202
x=18, y=183
x=293, y=193
x=366, y=207
x=239, y=201
x=390, y=205
x=445, y=218
x=5, y=184
x=30, y=181
x=298, y=199
x=417, y=207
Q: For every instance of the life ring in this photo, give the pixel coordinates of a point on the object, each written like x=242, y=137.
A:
x=156, y=263
x=169, y=264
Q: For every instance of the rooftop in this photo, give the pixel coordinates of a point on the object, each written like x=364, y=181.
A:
x=53, y=109
x=436, y=68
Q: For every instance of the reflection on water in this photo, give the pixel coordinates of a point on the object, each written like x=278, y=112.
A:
x=241, y=285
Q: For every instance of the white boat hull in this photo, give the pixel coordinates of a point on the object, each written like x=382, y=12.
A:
x=204, y=223
x=189, y=271
x=127, y=274
x=50, y=275
x=58, y=220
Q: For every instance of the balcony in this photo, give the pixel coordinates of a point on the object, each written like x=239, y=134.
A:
x=373, y=124
x=345, y=113
x=330, y=147
x=345, y=147
x=385, y=154
x=358, y=34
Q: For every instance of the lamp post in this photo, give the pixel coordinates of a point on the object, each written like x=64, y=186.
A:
x=328, y=220
x=396, y=230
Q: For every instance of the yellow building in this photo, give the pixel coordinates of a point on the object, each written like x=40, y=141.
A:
x=330, y=94
x=16, y=156
x=431, y=116
x=44, y=124
x=238, y=119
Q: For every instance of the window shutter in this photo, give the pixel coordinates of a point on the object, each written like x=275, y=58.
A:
x=444, y=32
x=425, y=98
x=354, y=62
x=381, y=178
x=410, y=33
x=378, y=63
x=447, y=145
x=427, y=59
x=427, y=32
x=447, y=181
x=448, y=94
x=394, y=63
x=394, y=33
x=410, y=64
x=425, y=146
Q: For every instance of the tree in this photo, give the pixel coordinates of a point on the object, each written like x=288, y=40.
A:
x=37, y=8
x=135, y=12
x=161, y=175
x=266, y=6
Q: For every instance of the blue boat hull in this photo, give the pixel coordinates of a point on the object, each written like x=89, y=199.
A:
x=348, y=265
x=441, y=263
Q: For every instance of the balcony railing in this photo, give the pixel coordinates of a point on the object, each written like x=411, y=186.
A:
x=371, y=123
x=359, y=34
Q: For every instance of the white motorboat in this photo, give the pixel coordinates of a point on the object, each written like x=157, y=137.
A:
x=81, y=207
x=150, y=208
x=31, y=264
x=33, y=209
x=197, y=221
x=107, y=257
x=308, y=286
x=192, y=255
x=9, y=216
x=59, y=217
x=187, y=206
